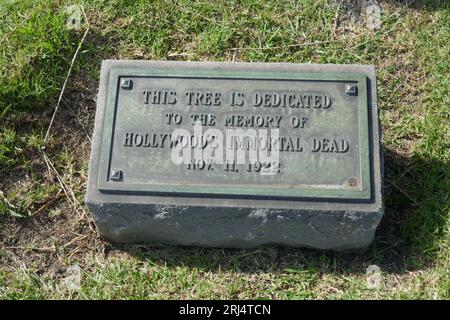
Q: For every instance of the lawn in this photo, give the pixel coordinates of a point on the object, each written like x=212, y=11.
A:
x=49, y=248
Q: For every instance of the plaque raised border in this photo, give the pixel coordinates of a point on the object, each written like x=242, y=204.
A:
x=362, y=192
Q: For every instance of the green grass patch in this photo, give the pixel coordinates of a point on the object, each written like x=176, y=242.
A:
x=35, y=53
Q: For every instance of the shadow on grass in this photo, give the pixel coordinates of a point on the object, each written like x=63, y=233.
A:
x=429, y=5
x=406, y=240
x=358, y=7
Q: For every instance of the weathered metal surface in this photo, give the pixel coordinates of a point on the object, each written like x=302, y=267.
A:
x=323, y=132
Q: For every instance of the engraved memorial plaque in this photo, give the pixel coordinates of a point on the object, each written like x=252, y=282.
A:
x=236, y=155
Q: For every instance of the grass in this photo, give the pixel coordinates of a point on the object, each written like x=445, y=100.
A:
x=36, y=49
x=43, y=233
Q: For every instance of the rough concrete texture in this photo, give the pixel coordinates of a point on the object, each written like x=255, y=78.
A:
x=237, y=222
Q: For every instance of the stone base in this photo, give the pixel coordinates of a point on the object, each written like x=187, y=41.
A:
x=234, y=227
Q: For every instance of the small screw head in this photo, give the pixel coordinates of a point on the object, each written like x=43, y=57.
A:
x=352, y=182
